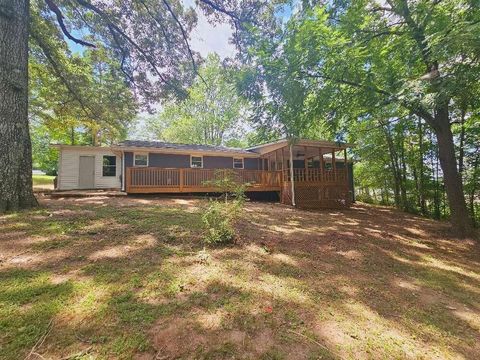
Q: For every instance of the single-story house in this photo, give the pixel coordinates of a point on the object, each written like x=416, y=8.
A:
x=321, y=175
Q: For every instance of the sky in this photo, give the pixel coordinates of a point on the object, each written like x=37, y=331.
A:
x=207, y=38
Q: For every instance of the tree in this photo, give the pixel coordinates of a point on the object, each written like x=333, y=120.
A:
x=352, y=58
x=15, y=148
x=213, y=113
x=108, y=104
x=149, y=39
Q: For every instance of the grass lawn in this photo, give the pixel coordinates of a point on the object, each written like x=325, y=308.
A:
x=129, y=278
x=43, y=181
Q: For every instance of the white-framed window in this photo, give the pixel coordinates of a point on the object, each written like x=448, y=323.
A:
x=238, y=163
x=196, y=161
x=109, y=165
x=140, y=159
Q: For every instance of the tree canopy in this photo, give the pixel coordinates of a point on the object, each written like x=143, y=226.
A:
x=363, y=66
x=213, y=113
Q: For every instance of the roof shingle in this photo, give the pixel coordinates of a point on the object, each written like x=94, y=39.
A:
x=175, y=146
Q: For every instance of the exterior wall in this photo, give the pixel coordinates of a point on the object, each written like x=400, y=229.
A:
x=168, y=160
x=251, y=164
x=183, y=161
x=217, y=162
x=69, y=160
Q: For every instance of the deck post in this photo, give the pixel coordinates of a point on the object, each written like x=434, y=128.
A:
x=180, y=179
x=320, y=160
x=305, y=163
x=334, y=165
x=345, y=169
x=276, y=161
x=292, y=180
x=128, y=179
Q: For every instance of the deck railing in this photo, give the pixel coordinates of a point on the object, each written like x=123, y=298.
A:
x=154, y=179
x=151, y=179
x=315, y=175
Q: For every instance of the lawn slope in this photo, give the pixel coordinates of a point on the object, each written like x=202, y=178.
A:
x=129, y=278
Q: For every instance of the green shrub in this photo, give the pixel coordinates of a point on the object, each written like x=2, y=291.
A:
x=221, y=214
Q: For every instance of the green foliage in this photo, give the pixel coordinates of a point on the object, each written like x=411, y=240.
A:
x=212, y=114
x=220, y=215
x=42, y=179
x=366, y=74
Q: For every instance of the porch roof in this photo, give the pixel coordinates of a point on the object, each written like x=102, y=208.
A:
x=272, y=146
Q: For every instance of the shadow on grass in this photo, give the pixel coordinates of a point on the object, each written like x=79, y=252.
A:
x=125, y=279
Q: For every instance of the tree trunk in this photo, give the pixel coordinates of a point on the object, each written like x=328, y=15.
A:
x=394, y=165
x=473, y=189
x=403, y=182
x=461, y=150
x=460, y=218
x=15, y=146
x=436, y=211
x=421, y=187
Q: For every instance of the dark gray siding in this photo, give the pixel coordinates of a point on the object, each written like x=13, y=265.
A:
x=251, y=164
x=183, y=161
x=128, y=159
x=217, y=162
x=168, y=160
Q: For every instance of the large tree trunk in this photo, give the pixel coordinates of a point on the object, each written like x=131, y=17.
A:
x=460, y=218
x=15, y=146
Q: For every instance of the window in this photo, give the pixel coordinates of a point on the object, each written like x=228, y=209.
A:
x=196, y=161
x=310, y=163
x=109, y=165
x=140, y=160
x=238, y=163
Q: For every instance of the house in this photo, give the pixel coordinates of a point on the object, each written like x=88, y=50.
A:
x=321, y=175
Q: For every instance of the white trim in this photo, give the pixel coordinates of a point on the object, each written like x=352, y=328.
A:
x=140, y=153
x=59, y=170
x=238, y=158
x=196, y=167
x=123, y=171
x=116, y=158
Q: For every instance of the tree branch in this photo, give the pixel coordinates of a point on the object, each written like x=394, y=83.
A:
x=415, y=108
x=184, y=35
x=117, y=29
x=54, y=8
x=46, y=51
x=221, y=9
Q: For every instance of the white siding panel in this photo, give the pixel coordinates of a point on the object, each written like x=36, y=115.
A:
x=69, y=167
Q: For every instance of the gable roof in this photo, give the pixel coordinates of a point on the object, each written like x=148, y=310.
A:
x=181, y=147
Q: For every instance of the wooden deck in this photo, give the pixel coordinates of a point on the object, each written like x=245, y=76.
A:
x=162, y=180
x=313, y=187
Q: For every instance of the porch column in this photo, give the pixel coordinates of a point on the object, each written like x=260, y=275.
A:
x=292, y=180
x=305, y=177
x=320, y=159
x=345, y=165
x=334, y=165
